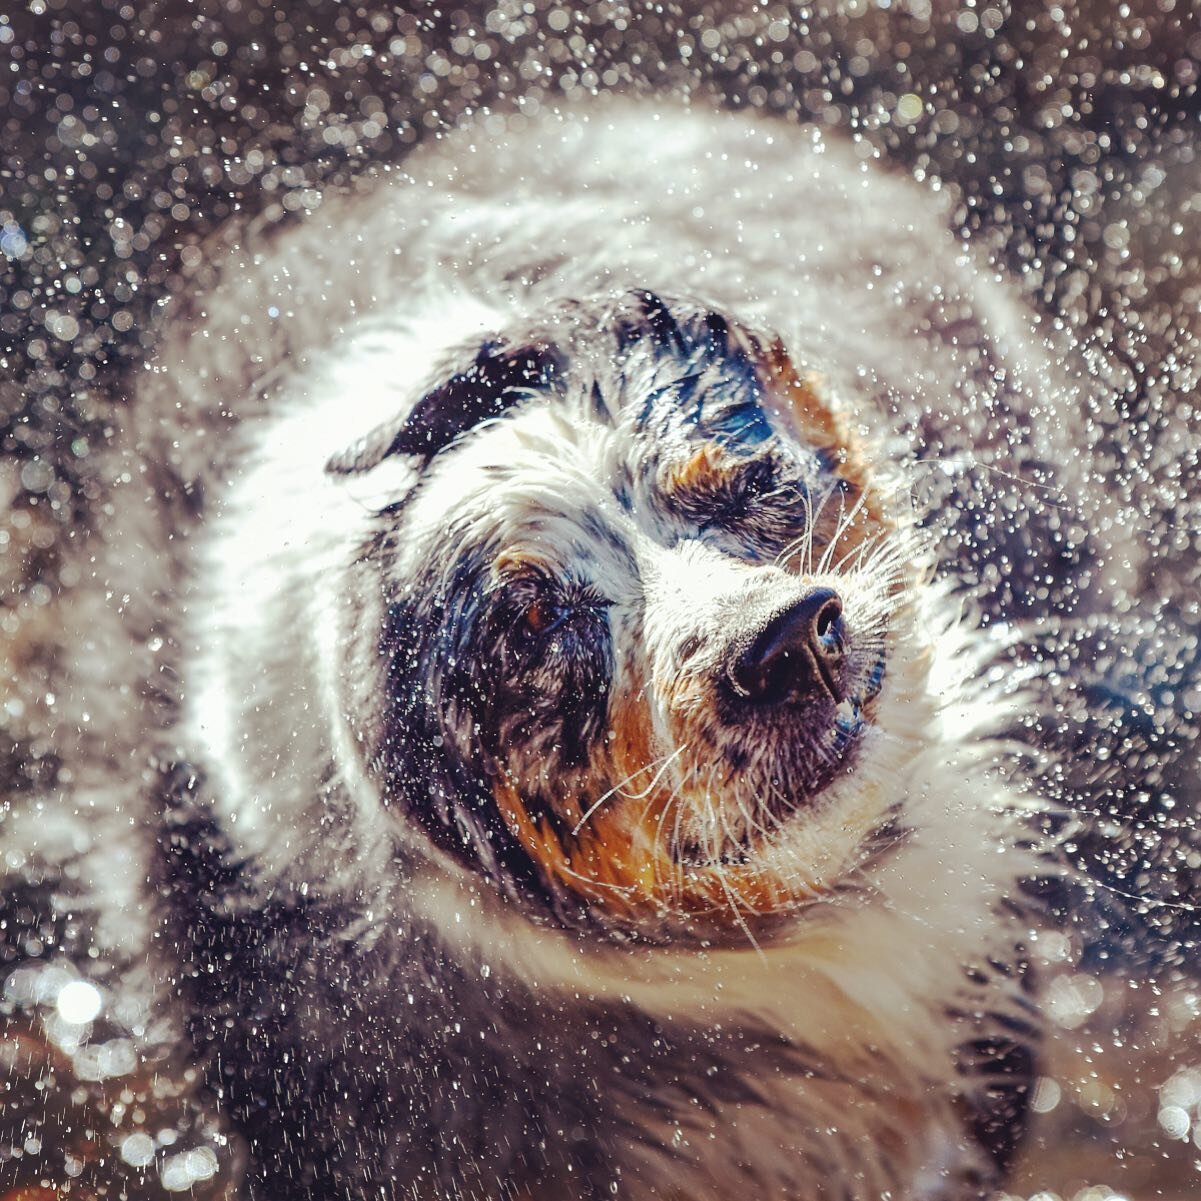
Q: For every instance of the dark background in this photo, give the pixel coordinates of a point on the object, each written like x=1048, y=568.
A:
x=1067, y=136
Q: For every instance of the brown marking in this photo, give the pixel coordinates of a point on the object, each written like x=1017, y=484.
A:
x=701, y=473
x=610, y=860
x=538, y=616
x=816, y=423
x=514, y=564
x=621, y=858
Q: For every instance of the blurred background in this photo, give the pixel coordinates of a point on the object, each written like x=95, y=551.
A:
x=1065, y=136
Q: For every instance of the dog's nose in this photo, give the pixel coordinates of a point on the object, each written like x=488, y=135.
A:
x=796, y=656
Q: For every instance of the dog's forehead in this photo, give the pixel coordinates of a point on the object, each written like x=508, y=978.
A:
x=649, y=409
x=582, y=483
x=546, y=481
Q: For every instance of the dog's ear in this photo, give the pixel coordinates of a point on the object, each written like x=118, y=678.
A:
x=499, y=376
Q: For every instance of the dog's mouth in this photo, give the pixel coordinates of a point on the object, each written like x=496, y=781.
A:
x=747, y=809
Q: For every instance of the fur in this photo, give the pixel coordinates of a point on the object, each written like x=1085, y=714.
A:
x=437, y=522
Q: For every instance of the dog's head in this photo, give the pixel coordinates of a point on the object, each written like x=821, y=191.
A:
x=637, y=611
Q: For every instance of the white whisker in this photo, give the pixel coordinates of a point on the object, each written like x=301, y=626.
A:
x=633, y=796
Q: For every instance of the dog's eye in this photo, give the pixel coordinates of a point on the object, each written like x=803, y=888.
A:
x=740, y=494
x=541, y=616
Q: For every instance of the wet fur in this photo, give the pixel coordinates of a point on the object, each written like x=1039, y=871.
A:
x=394, y=993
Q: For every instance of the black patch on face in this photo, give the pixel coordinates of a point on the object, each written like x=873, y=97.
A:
x=542, y=691
x=474, y=693
x=705, y=370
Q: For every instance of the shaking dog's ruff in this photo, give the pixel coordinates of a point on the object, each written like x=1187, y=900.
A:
x=574, y=774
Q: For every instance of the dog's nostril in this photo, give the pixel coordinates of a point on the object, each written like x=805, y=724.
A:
x=829, y=612
x=797, y=655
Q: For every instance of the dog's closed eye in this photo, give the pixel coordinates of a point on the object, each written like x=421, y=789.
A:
x=735, y=496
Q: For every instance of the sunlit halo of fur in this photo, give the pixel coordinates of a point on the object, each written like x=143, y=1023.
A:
x=691, y=979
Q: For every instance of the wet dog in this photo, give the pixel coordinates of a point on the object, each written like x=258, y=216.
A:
x=577, y=770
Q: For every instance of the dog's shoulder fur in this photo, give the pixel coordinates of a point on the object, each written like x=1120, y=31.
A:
x=393, y=1003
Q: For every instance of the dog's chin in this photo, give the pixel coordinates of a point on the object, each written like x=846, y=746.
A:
x=832, y=745
x=787, y=792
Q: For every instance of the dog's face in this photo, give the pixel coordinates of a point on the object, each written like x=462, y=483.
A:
x=637, y=611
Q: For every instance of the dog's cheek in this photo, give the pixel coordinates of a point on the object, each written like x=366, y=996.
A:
x=629, y=837
x=591, y=862
x=631, y=735
x=591, y=838
x=813, y=422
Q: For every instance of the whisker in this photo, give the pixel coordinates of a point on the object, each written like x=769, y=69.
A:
x=676, y=857
x=793, y=547
x=748, y=813
x=673, y=801
x=633, y=796
x=733, y=900
x=880, y=538
x=845, y=521
x=831, y=491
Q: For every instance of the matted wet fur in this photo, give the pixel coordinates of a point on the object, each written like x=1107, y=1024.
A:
x=553, y=755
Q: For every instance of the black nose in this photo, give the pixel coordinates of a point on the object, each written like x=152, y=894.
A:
x=798, y=655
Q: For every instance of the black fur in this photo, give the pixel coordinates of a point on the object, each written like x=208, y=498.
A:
x=499, y=376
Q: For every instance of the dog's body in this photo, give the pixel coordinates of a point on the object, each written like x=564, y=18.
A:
x=465, y=560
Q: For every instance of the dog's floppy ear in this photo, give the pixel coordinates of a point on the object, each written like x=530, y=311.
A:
x=498, y=377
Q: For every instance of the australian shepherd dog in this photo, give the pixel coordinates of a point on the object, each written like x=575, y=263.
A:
x=552, y=750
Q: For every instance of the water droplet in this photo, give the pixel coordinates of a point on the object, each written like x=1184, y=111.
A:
x=78, y=1002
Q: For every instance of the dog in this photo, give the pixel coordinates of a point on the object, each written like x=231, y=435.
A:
x=572, y=755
